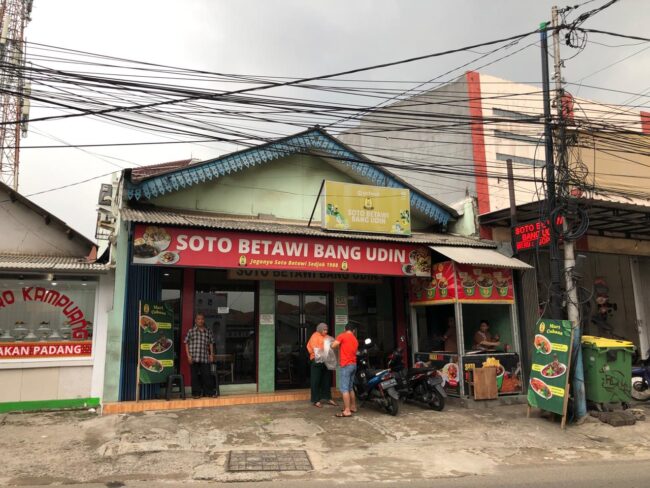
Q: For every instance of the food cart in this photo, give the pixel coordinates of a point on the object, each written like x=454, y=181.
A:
x=447, y=310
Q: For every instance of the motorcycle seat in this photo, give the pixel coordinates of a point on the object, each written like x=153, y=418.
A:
x=416, y=371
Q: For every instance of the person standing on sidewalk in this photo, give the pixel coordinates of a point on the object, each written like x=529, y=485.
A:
x=348, y=345
x=321, y=377
x=199, y=347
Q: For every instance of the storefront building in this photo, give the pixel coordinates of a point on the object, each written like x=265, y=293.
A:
x=54, y=296
x=237, y=239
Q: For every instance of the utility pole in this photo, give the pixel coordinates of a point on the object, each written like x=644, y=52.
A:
x=14, y=107
x=573, y=312
x=555, y=291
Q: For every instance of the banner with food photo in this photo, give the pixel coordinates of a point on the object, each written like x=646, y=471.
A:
x=190, y=247
x=156, y=360
x=549, y=376
x=440, y=288
x=483, y=284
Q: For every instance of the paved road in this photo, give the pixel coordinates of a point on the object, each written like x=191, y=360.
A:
x=620, y=474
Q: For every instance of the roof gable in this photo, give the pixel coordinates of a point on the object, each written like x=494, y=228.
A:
x=312, y=141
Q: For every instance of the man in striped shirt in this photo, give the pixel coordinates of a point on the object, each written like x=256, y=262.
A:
x=199, y=347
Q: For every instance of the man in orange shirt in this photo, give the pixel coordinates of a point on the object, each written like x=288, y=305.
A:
x=320, y=376
x=348, y=345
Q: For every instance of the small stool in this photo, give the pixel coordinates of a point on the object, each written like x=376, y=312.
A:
x=171, y=379
x=215, y=375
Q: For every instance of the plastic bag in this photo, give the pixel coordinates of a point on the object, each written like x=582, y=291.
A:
x=330, y=358
x=319, y=355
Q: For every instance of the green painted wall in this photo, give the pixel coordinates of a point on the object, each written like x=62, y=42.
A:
x=116, y=319
x=286, y=188
x=266, y=341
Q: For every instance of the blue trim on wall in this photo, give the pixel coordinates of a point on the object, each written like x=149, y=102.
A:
x=212, y=169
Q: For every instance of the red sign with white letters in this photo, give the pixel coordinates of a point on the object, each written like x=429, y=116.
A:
x=40, y=350
x=169, y=246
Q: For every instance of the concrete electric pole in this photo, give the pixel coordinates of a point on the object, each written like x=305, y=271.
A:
x=14, y=15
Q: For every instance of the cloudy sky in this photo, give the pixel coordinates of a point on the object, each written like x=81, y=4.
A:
x=294, y=38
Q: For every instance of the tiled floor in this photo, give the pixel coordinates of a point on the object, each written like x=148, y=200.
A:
x=287, y=460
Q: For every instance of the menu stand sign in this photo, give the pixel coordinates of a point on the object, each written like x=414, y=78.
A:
x=548, y=387
x=155, y=344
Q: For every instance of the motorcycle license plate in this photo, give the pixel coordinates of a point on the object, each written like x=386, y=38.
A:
x=388, y=383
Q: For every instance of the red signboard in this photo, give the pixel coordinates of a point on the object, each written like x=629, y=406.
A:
x=464, y=283
x=482, y=284
x=168, y=246
x=533, y=234
x=439, y=288
x=40, y=350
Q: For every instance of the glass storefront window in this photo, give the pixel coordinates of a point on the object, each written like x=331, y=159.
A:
x=172, y=283
x=229, y=310
x=42, y=319
x=372, y=313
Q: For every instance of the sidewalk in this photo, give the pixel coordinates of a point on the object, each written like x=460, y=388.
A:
x=69, y=447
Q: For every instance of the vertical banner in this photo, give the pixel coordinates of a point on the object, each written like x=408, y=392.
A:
x=549, y=376
x=156, y=359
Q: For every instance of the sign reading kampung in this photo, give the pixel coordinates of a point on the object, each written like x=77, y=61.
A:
x=156, y=344
x=452, y=282
x=364, y=208
x=169, y=246
x=549, y=376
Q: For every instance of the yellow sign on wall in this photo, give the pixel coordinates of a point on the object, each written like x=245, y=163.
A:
x=364, y=208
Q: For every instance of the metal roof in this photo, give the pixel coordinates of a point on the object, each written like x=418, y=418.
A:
x=607, y=216
x=211, y=221
x=22, y=262
x=480, y=257
x=313, y=141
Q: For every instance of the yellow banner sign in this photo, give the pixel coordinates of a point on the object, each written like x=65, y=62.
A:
x=364, y=208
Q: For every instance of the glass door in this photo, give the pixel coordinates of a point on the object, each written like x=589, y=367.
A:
x=297, y=315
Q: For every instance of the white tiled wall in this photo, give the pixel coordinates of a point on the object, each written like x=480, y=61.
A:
x=22, y=385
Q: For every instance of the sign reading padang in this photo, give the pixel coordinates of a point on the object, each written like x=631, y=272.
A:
x=364, y=208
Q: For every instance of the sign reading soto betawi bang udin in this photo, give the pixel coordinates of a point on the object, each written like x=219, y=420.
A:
x=174, y=246
x=156, y=345
x=549, y=376
x=363, y=208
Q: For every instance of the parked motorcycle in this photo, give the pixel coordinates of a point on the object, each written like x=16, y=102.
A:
x=641, y=380
x=420, y=384
x=376, y=386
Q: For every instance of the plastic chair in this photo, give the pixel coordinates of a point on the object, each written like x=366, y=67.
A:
x=171, y=379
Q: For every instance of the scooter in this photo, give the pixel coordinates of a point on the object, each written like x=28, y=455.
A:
x=419, y=384
x=376, y=386
x=641, y=380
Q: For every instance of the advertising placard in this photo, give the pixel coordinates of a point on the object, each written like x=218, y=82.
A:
x=363, y=208
x=549, y=376
x=156, y=360
x=172, y=246
x=477, y=284
x=439, y=288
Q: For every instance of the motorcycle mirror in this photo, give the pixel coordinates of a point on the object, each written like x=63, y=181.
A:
x=368, y=341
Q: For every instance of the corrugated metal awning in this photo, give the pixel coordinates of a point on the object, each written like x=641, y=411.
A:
x=480, y=257
x=26, y=262
x=241, y=223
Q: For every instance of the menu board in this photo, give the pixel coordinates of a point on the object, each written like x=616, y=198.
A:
x=156, y=359
x=439, y=288
x=549, y=376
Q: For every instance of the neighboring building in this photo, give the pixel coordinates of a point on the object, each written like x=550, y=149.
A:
x=233, y=238
x=467, y=129
x=54, y=299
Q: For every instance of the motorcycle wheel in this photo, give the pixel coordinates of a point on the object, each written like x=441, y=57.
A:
x=392, y=405
x=438, y=402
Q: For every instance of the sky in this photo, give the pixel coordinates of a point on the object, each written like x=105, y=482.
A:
x=293, y=38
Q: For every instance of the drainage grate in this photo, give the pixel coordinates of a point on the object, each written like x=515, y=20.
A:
x=269, y=461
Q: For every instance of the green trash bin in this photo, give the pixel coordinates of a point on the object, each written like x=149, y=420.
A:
x=608, y=369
